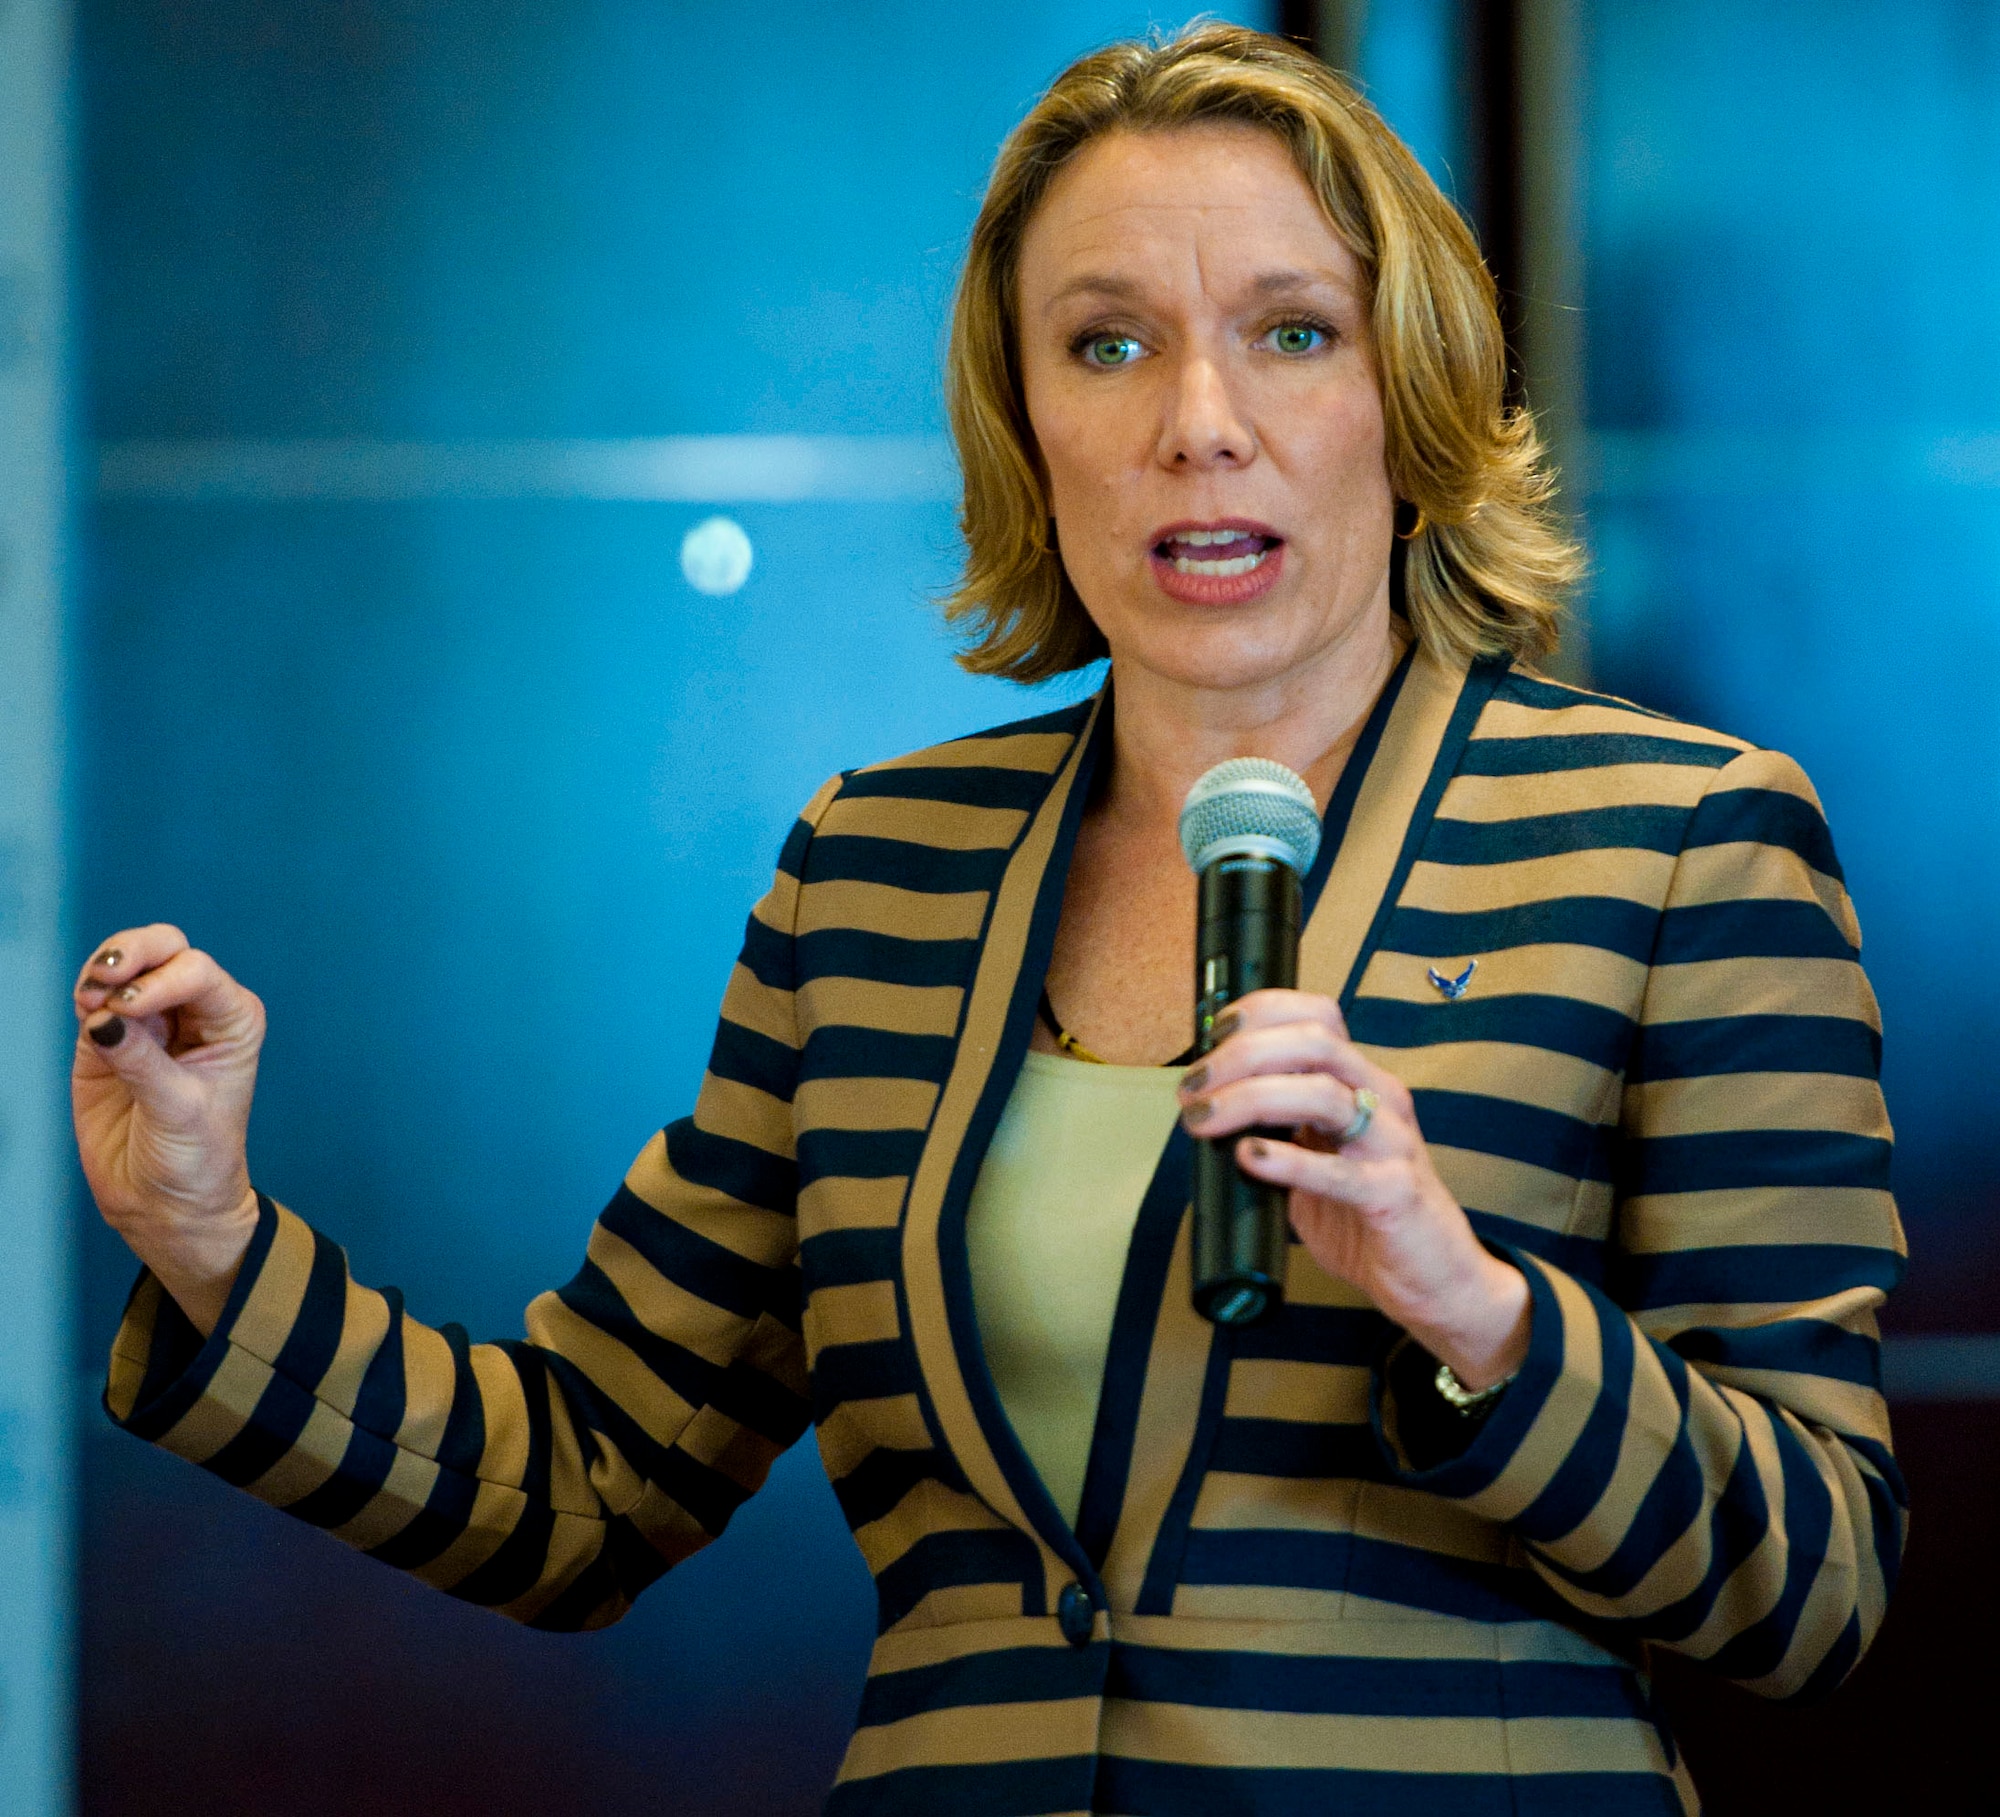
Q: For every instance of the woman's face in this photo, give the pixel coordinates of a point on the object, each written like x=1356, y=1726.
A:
x=1201, y=384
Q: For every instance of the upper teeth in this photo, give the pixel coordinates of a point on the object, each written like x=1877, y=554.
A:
x=1200, y=539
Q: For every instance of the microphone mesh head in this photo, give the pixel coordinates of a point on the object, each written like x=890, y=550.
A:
x=1251, y=805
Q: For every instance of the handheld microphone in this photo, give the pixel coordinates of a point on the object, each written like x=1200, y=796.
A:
x=1250, y=830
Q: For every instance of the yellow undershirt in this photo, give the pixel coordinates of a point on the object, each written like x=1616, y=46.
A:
x=1047, y=1233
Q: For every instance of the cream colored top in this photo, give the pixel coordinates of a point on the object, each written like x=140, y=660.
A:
x=1047, y=1231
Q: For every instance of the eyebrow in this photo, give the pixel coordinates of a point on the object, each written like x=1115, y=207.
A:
x=1266, y=284
x=1095, y=284
x=1280, y=283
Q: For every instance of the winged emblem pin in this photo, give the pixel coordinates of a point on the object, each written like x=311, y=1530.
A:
x=1454, y=988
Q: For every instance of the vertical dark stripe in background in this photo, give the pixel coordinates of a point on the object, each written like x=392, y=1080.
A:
x=1490, y=188
x=1299, y=20
x=1490, y=39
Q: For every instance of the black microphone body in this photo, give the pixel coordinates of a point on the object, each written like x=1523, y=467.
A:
x=1247, y=939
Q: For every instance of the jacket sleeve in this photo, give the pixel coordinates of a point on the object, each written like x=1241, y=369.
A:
x=551, y=1479
x=1695, y=1454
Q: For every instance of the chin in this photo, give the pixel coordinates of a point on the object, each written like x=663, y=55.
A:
x=1218, y=656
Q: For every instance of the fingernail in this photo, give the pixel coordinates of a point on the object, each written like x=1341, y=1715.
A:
x=1226, y=1024
x=128, y=993
x=1196, y=1110
x=1256, y=1148
x=109, y=1032
x=1195, y=1080
x=110, y=958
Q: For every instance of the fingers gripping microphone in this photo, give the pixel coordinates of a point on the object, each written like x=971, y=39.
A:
x=1250, y=832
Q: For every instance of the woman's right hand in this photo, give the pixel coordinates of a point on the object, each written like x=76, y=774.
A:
x=165, y=1067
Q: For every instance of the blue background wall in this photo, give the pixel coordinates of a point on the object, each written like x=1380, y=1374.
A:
x=477, y=793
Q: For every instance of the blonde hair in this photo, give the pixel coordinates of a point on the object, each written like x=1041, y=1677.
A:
x=1487, y=569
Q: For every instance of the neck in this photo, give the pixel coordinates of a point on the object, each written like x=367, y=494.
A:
x=1167, y=733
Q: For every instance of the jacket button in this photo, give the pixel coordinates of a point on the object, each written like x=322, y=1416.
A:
x=1074, y=1614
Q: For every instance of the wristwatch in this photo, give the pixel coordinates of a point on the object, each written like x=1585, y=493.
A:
x=1472, y=1402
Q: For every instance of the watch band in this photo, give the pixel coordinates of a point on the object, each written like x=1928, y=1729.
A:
x=1469, y=1401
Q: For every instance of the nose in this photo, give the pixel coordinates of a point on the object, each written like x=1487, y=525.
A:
x=1203, y=426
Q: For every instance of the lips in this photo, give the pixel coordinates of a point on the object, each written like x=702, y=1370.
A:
x=1218, y=563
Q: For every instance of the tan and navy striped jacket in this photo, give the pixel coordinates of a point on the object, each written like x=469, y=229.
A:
x=1285, y=1591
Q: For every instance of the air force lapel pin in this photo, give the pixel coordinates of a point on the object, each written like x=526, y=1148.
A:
x=1454, y=988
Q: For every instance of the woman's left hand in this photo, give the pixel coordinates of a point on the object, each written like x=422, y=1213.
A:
x=1372, y=1211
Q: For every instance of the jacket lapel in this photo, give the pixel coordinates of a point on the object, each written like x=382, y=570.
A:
x=1396, y=795
x=993, y=1035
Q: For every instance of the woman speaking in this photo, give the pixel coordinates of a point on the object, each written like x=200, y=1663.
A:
x=1576, y=1100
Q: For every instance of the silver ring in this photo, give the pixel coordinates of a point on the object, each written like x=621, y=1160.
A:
x=1366, y=1103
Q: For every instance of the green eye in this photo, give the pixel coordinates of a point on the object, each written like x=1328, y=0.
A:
x=1298, y=337
x=1111, y=350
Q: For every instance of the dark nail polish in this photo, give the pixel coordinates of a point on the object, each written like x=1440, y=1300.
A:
x=128, y=993
x=110, y=958
x=1195, y=1080
x=1196, y=1110
x=1256, y=1149
x=109, y=1034
x=1227, y=1024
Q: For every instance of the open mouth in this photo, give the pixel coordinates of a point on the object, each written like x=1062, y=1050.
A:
x=1225, y=564
x=1215, y=554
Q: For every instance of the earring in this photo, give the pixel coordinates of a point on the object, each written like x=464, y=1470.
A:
x=1417, y=521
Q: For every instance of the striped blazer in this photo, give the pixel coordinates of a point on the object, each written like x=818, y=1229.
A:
x=1284, y=1591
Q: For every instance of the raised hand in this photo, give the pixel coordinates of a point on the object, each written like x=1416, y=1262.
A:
x=165, y=1068
x=1371, y=1210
